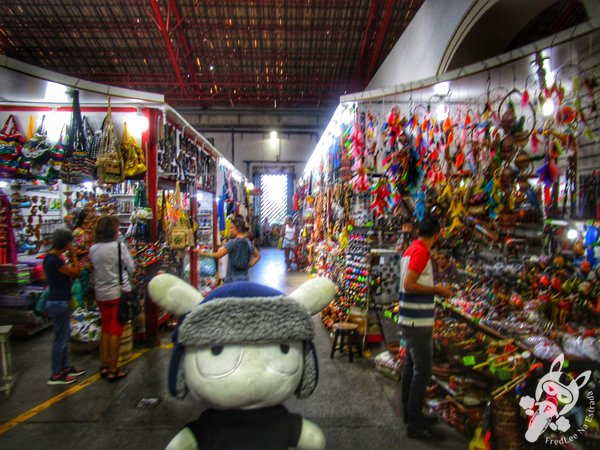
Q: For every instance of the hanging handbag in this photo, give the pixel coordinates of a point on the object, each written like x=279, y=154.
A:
x=11, y=142
x=133, y=155
x=180, y=235
x=128, y=300
x=94, y=138
x=76, y=167
x=110, y=159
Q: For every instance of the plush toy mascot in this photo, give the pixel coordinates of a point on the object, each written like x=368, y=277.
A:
x=244, y=349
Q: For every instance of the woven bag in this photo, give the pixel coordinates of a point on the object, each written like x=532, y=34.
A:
x=76, y=167
x=110, y=161
x=11, y=141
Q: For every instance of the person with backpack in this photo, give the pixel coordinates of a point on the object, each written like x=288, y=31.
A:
x=242, y=254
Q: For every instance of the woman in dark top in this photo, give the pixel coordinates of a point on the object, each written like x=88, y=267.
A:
x=60, y=277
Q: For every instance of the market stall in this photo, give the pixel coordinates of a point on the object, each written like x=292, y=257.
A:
x=505, y=154
x=69, y=153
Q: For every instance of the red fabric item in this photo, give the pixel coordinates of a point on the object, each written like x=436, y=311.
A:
x=296, y=206
x=419, y=256
x=108, y=311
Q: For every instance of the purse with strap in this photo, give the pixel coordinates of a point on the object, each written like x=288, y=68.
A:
x=111, y=169
x=128, y=300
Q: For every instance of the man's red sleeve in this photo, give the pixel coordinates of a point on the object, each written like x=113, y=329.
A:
x=418, y=262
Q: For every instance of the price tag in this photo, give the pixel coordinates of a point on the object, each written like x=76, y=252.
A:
x=469, y=360
x=387, y=314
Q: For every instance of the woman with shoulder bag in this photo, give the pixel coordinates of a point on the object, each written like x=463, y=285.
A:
x=104, y=256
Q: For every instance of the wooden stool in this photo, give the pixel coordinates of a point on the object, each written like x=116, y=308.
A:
x=345, y=330
x=6, y=374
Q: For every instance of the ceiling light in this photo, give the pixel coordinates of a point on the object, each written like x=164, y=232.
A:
x=548, y=108
x=273, y=135
x=572, y=234
x=212, y=68
x=442, y=88
x=441, y=113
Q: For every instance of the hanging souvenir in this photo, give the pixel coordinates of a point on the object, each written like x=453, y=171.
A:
x=110, y=159
x=11, y=142
x=180, y=234
x=133, y=155
x=77, y=167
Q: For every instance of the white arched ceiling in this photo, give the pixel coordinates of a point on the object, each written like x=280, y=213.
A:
x=418, y=52
x=487, y=31
x=444, y=33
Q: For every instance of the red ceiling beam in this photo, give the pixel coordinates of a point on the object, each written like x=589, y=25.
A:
x=183, y=39
x=380, y=37
x=365, y=39
x=165, y=34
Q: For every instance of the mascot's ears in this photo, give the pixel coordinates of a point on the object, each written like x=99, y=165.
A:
x=173, y=294
x=315, y=294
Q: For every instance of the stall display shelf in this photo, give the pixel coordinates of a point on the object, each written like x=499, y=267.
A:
x=467, y=318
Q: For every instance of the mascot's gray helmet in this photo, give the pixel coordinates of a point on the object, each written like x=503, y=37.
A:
x=248, y=313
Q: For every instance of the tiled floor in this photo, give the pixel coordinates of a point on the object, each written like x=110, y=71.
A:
x=356, y=407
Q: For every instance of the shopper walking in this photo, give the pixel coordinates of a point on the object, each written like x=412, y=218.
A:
x=416, y=318
x=104, y=256
x=289, y=232
x=60, y=277
x=242, y=254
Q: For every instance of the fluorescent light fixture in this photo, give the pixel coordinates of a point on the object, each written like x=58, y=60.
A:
x=56, y=93
x=548, y=108
x=330, y=136
x=54, y=124
x=442, y=88
x=347, y=116
x=441, y=113
x=273, y=135
x=138, y=124
x=572, y=234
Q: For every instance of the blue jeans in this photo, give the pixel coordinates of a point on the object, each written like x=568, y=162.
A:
x=417, y=372
x=60, y=312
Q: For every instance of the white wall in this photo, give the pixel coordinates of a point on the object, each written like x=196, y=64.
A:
x=258, y=147
x=418, y=53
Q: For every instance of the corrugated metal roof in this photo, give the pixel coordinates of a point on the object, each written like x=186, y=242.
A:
x=212, y=52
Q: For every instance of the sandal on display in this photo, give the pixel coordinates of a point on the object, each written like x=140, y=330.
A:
x=114, y=376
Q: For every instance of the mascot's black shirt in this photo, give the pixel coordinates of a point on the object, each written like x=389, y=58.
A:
x=253, y=429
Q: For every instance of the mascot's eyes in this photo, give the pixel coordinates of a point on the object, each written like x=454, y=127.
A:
x=218, y=360
x=285, y=358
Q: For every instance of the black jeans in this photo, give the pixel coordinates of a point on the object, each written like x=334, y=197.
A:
x=417, y=372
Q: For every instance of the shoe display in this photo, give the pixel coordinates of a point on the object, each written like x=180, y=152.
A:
x=425, y=433
x=63, y=378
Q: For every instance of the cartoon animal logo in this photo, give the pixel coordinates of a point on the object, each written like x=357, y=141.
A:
x=554, y=390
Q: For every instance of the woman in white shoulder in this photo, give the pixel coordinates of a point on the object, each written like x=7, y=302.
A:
x=105, y=260
x=289, y=232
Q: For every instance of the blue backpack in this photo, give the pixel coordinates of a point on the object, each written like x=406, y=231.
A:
x=241, y=254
